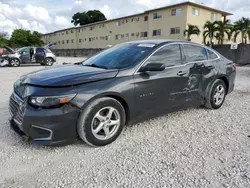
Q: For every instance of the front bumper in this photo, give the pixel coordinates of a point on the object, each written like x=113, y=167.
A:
x=55, y=126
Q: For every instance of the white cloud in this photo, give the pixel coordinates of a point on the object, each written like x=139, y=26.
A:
x=9, y=11
x=24, y=24
x=37, y=13
x=35, y=26
x=48, y=16
x=78, y=2
x=62, y=21
x=2, y=17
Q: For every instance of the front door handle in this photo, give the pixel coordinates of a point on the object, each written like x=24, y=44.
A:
x=211, y=67
x=181, y=73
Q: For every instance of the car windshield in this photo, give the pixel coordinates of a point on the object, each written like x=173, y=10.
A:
x=21, y=49
x=120, y=56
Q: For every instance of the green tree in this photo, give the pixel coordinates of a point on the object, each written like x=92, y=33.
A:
x=35, y=39
x=222, y=28
x=83, y=18
x=242, y=27
x=209, y=31
x=21, y=37
x=3, y=38
x=191, y=30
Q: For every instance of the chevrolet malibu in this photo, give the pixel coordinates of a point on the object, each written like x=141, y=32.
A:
x=126, y=83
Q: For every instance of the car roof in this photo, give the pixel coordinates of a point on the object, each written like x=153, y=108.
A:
x=161, y=41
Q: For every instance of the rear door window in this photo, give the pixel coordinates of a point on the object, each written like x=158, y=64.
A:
x=194, y=53
x=39, y=50
x=211, y=55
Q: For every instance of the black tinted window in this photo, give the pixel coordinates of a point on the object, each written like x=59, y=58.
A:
x=39, y=50
x=169, y=55
x=211, y=55
x=194, y=53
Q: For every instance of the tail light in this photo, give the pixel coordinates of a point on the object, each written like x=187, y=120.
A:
x=234, y=66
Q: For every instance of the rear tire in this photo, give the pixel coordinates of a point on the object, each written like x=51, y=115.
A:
x=216, y=95
x=48, y=61
x=101, y=122
x=14, y=62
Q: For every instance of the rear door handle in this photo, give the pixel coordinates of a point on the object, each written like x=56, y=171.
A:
x=211, y=67
x=181, y=73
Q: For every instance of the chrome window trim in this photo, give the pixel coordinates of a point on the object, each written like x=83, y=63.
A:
x=179, y=43
x=43, y=139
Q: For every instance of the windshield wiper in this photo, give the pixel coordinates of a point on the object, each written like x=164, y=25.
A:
x=98, y=66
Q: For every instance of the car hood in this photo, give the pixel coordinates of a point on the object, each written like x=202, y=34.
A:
x=67, y=75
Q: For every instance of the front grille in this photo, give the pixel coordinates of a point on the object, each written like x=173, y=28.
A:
x=16, y=106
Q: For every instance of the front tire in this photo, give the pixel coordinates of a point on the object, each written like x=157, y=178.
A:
x=14, y=62
x=101, y=122
x=216, y=95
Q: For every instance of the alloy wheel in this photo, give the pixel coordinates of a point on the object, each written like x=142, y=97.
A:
x=219, y=94
x=14, y=62
x=49, y=61
x=106, y=123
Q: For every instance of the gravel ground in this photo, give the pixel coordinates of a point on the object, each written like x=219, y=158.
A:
x=191, y=148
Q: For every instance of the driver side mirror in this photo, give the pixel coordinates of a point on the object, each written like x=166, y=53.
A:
x=152, y=67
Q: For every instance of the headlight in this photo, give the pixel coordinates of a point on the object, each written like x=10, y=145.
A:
x=50, y=101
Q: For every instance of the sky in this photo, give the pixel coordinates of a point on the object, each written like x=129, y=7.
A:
x=51, y=15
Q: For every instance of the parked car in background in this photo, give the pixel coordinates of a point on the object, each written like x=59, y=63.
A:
x=30, y=55
x=124, y=84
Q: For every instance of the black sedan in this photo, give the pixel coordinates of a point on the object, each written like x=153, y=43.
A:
x=126, y=83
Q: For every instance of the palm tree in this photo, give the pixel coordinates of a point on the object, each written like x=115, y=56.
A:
x=222, y=28
x=242, y=27
x=209, y=31
x=191, y=30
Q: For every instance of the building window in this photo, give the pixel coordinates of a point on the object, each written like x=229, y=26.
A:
x=127, y=35
x=118, y=23
x=67, y=41
x=175, y=30
x=102, y=25
x=63, y=42
x=127, y=21
x=145, y=18
x=132, y=20
x=72, y=40
x=213, y=16
x=80, y=40
x=107, y=38
x=176, y=11
x=195, y=11
x=137, y=19
x=157, y=15
x=79, y=30
x=67, y=32
x=58, y=42
x=144, y=34
x=132, y=34
x=91, y=28
x=72, y=31
x=117, y=37
x=157, y=32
